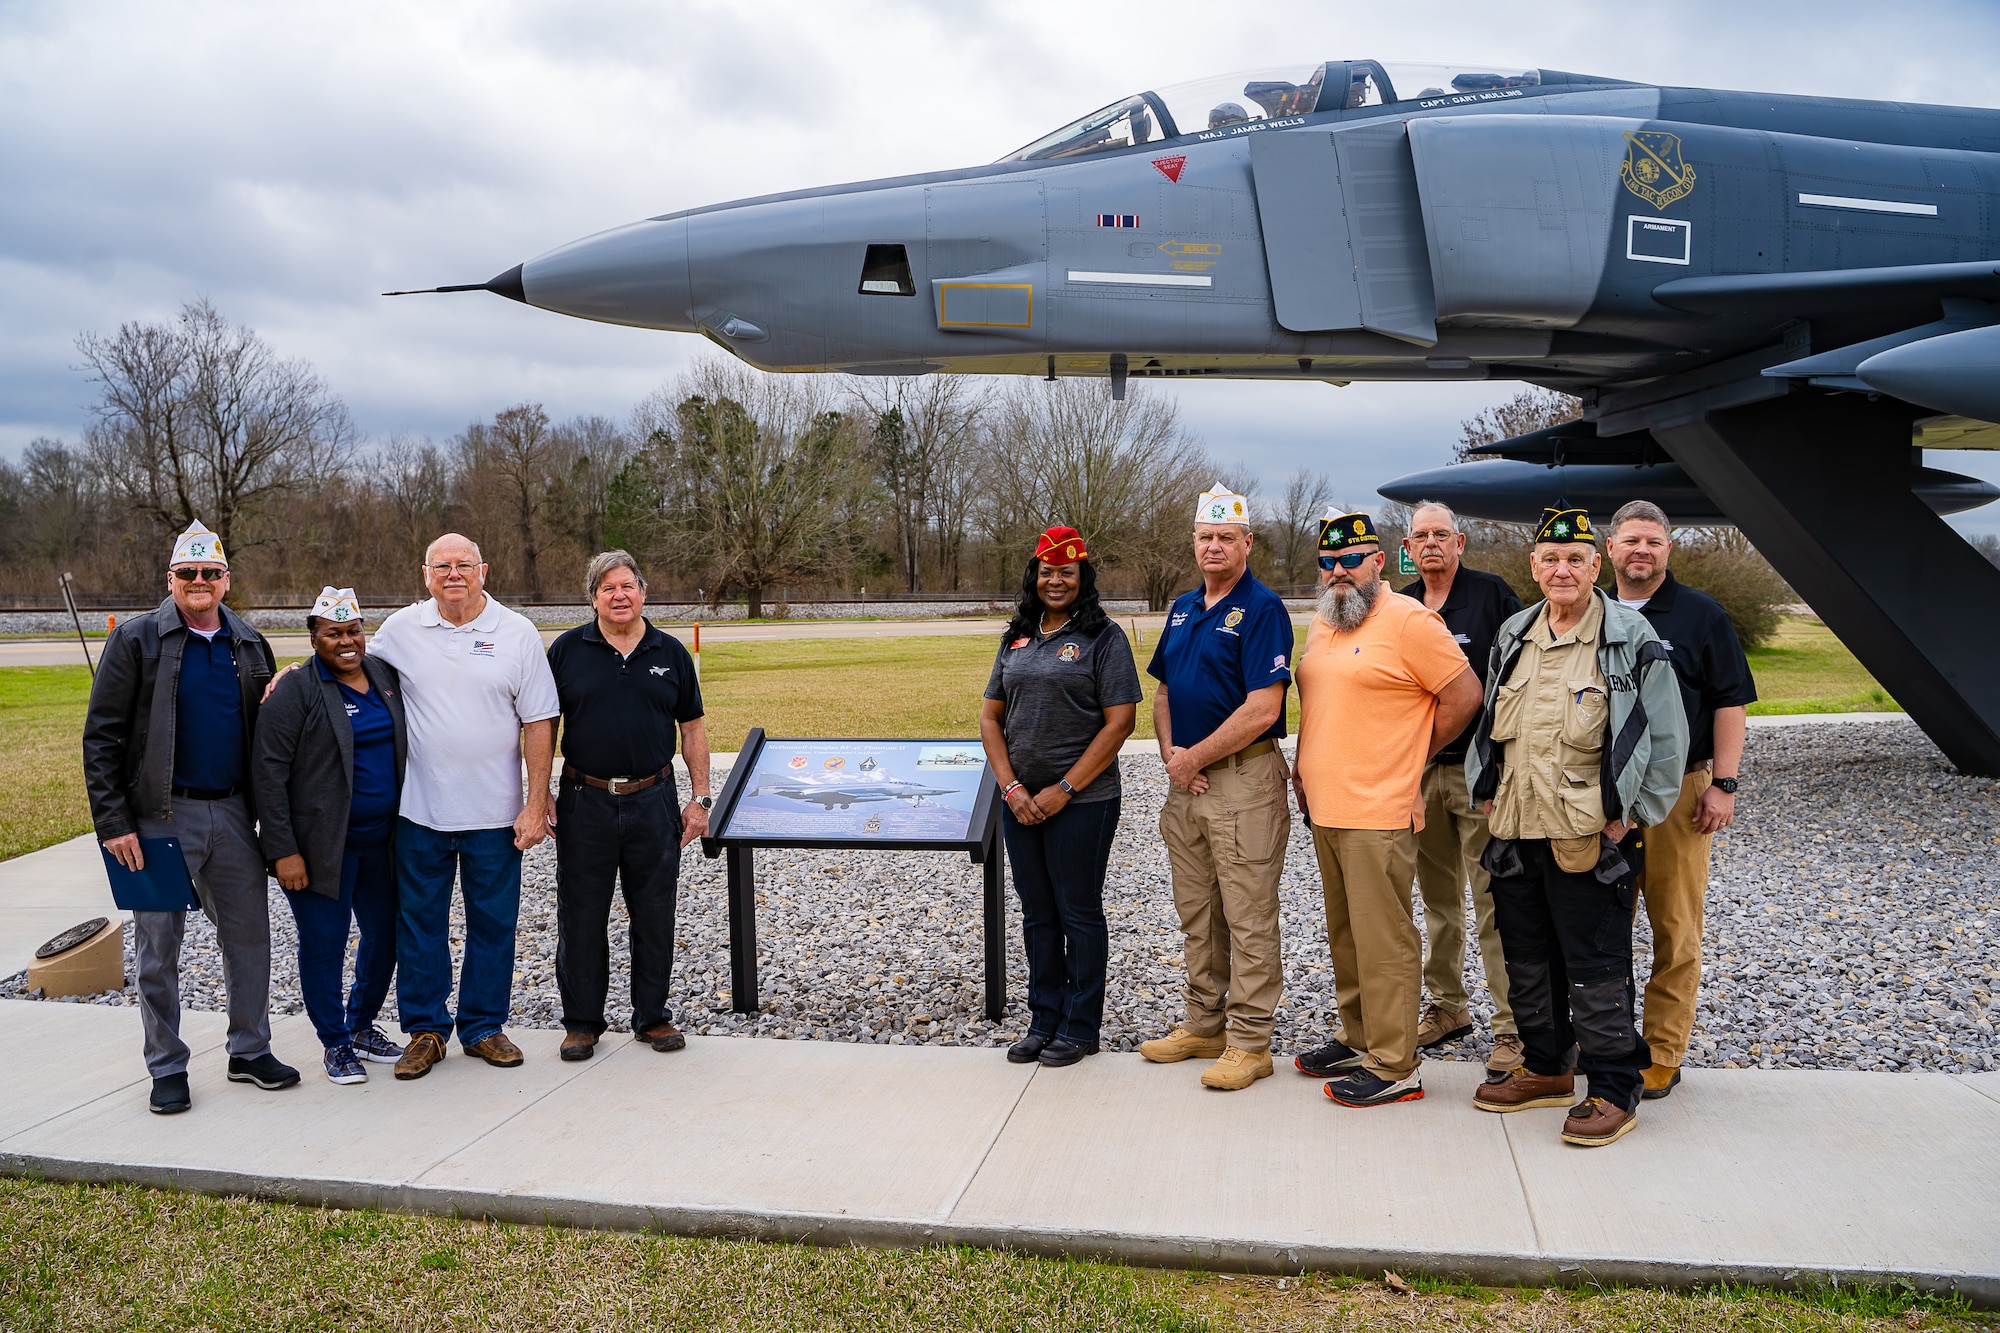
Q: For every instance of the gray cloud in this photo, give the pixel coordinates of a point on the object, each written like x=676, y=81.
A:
x=289, y=163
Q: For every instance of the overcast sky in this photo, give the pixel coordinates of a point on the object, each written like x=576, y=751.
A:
x=289, y=162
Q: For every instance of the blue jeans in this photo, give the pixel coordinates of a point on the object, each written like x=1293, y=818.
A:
x=367, y=896
x=488, y=868
x=1059, y=867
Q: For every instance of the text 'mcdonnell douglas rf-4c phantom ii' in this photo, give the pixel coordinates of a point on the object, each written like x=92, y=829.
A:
x=1770, y=305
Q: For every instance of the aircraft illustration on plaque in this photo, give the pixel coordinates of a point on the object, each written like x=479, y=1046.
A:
x=853, y=793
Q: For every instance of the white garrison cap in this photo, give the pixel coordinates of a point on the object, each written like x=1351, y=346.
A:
x=337, y=604
x=198, y=546
x=1222, y=505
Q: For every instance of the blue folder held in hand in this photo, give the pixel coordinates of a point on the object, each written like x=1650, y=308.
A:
x=163, y=886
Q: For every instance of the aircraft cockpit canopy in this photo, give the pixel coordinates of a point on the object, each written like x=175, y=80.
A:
x=1272, y=94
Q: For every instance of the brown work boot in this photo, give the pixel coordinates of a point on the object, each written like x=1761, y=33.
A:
x=1180, y=1044
x=1594, y=1122
x=662, y=1036
x=1660, y=1080
x=1522, y=1090
x=1236, y=1069
x=425, y=1049
x=578, y=1045
x=1440, y=1025
x=496, y=1050
x=1507, y=1053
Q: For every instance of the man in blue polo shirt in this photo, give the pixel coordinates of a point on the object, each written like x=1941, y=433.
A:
x=1224, y=664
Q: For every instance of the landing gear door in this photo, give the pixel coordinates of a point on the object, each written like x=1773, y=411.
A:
x=1344, y=232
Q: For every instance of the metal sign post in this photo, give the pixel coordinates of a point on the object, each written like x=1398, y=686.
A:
x=76, y=618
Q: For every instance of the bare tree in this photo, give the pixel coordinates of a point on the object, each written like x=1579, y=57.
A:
x=511, y=467
x=200, y=418
x=592, y=449
x=924, y=433
x=1124, y=473
x=415, y=479
x=755, y=474
x=1289, y=527
x=1531, y=409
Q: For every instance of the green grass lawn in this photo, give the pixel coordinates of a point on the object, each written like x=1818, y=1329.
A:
x=1804, y=669
x=116, y=1257
x=41, y=762
x=802, y=687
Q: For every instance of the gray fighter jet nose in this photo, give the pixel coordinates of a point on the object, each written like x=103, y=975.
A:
x=634, y=275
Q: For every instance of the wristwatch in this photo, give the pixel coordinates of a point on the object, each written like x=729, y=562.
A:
x=1727, y=785
x=705, y=802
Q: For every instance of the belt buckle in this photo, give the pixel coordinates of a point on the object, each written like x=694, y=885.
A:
x=614, y=784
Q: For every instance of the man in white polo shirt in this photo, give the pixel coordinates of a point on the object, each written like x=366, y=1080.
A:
x=478, y=694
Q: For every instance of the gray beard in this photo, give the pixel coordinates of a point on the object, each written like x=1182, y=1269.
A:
x=1345, y=608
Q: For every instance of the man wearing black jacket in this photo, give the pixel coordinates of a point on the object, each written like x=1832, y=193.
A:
x=166, y=753
x=1474, y=605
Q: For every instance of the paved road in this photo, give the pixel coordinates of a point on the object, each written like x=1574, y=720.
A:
x=65, y=652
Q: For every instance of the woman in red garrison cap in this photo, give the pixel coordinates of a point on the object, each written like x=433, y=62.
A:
x=1061, y=701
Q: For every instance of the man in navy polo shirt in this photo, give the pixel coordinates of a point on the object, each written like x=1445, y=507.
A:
x=1224, y=664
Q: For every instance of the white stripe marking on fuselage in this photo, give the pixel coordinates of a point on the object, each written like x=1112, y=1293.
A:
x=1868, y=205
x=1143, y=279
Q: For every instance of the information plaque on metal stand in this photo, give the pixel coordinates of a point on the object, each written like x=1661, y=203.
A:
x=868, y=795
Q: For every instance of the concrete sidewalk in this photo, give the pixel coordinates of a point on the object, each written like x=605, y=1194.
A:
x=1741, y=1175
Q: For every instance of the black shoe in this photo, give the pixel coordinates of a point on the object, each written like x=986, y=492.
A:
x=1027, y=1049
x=267, y=1071
x=1333, y=1058
x=1361, y=1088
x=170, y=1095
x=1062, y=1051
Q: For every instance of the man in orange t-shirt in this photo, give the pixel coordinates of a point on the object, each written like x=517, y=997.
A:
x=1382, y=687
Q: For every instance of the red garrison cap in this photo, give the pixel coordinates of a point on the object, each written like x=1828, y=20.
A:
x=1061, y=546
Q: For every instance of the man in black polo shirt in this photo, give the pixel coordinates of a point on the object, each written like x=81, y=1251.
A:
x=1474, y=604
x=624, y=687
x=1716, y=690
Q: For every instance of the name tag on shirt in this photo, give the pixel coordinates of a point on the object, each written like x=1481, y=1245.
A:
x=483, y=647
x=1463, y=638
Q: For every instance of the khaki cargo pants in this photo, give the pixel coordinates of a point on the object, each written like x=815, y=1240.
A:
x=1675, y=886
x=1227, y=849
x=1448, y=850
x=1371, y=931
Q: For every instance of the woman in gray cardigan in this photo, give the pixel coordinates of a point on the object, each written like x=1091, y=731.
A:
x=328, y=770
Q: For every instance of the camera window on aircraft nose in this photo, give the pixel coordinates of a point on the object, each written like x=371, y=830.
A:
x=885, y=271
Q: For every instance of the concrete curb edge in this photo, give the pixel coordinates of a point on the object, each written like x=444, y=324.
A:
x=1247, y=1256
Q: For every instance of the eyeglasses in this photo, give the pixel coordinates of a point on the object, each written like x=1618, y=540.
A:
x=462, y=569
x=205, y=575
x=1349, y=560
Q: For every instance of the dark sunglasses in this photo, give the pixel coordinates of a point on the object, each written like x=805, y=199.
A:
x=1349, y=560
x=205, y=575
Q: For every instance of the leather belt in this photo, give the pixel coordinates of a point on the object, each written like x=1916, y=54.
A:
x=616, y=786
x=1248, y=752
x=206, y=793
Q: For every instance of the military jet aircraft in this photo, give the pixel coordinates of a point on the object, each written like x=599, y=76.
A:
x=1775, y=303
x=855, y=793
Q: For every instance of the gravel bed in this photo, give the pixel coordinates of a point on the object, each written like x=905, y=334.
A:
x=1853, y=923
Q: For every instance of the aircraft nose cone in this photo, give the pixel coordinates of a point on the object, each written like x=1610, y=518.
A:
x=635, y=275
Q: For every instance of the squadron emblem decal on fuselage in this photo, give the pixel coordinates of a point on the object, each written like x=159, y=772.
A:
x=1653, y=167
